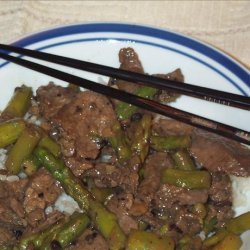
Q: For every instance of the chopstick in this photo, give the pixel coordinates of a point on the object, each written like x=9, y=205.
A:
x=204, y=93
x=186, y=117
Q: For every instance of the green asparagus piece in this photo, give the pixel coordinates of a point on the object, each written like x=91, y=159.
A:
x=236, y=225
x=209, y=224
x=68, y=231
x=105, y=221
x=184, y=243
x=120, y=144
x=200, y=210
x=10, y=131
x=30, y=165
x=64, y=232
x=140, y=140
x=19, y=103
x=183, y=160
x=187, y=178
x=22, y=149
x=100, y=194
x=162, y=143
x=230, y=242
x=239, y=224
x=125, y=110
x=51, y=145
x=37, y=239
x=214, y=239
x=141, y=240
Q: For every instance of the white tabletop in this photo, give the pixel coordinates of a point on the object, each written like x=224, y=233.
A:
x=223, y=24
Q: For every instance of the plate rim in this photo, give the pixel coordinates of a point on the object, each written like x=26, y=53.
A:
x=187, y=41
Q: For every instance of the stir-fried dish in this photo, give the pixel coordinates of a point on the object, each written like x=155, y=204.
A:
x=81, y=171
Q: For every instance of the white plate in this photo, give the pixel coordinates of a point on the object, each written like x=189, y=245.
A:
x=160, y=51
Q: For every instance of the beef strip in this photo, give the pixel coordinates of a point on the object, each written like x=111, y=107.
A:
x=129, y=61
x=12, y=216
x=41, y=192
x=168, y=96
x=222, y=213
x=119, y=205
x=186, y=221
x=216, y=153
x=154, y=165
x=88, y=115
x=164, y=127
x=78, y=166
x=52, y=98
x=167, y=195
x=220, y=192
x=107, y=175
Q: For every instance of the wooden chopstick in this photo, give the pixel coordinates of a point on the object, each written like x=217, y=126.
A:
x=195, y=120
x=207, y=94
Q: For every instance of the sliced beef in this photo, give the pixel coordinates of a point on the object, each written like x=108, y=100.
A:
x=129, y=61
x=166, y=127
x=168, y=195
x=220, y=192
x=216, y=153
x=222, y=213
x=168, y=96
x=77, y=165
x=187, y=222
x=120, y=205
x=87, y=116
x=49, y=219
x=52, y=98
x=12, y=215
x=6, y=237
x=107, y=175
x=154, y=165
x=41, y=192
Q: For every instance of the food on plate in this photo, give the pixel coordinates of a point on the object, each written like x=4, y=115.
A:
x=81, y=171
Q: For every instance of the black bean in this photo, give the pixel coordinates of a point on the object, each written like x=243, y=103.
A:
x=136, y=117
x=17, y=233
x=55, y=245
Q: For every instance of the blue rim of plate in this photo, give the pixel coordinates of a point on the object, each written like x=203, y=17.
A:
x=210, y=52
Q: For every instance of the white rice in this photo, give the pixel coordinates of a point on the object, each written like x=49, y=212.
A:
x=66, y=204
x=241, y=194
x=32, y=119
x=3, y=156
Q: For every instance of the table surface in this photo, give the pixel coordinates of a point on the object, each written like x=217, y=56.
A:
x=223, y=24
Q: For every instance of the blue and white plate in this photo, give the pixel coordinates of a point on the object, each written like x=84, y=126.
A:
x=160, y=51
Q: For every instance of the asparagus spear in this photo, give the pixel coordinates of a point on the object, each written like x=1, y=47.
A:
x=105, y=221
x=140, y=140
x=239, y=224
x=141, y=240
x=19, y=103
x=236, y=226
x=162, y=143
x=64, y=232
x=68, y=232
x=30, y=165
x=51, y=145
x=10, y=131
x=22, y=149
x=125, y=110
x=183, y=160
x=230, y=242
x=187, y=179
x=120, y=144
